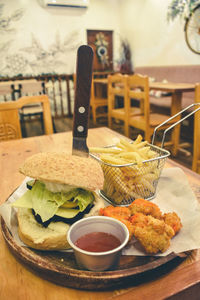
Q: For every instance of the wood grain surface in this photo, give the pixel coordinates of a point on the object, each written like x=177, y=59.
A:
x=19, y=281
x=62, y=269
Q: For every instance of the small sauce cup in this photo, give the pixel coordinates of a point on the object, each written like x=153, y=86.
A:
x=98, y=261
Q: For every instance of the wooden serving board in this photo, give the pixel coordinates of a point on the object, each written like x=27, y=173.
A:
x=61, y=267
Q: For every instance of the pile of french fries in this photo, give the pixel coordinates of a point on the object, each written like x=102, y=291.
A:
x=124, y=182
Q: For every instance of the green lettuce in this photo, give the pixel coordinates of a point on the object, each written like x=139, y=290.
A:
x=43, y=201
x=83, y=199
x=47, y=204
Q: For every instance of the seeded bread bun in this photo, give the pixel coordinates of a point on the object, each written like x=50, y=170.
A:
x=58, y=171
x=63, y=168
x=35, y=236
x=54, y=237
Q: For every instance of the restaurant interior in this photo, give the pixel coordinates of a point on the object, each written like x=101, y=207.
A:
x=145, y=81
x=45, y=37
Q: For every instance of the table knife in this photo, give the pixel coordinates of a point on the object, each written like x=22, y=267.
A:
x=82, y=100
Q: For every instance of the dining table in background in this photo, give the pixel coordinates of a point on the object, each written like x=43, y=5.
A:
x=6, y=90
x=19, y=282
x=12, y=88
x=176, y=89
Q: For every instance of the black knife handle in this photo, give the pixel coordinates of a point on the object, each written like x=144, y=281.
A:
x=82, y=90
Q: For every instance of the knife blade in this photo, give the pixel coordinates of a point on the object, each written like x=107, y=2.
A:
x=84, y=66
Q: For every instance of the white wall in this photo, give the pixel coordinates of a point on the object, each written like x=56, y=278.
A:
x=154, y=40
x=36, y=40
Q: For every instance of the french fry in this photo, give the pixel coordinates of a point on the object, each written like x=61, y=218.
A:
x=124, y=182
x=151, y=154
x=113, y=160
x=121, y=146
x=146, y=184
x=150, y=176
x=140, y=145
x=105, y=150
x=125, y=144
x=138, y=139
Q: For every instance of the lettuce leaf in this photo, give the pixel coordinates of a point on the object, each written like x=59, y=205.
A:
x=67, y=196
x=83, y=199
x=46, y=203
x=25, y=201
x=43, y=201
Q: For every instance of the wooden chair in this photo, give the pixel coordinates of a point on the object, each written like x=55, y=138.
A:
x=97, y=100
x=117, y=87
x=142, y=118
x=196, y=147
x=30, y=87
x=10, y=127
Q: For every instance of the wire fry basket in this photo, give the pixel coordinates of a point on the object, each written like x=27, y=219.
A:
x=125, y=183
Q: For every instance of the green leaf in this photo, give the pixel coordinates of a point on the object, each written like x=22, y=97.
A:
x=43, y=201
x=24, y=201
x=46, y=203
x=84, y=198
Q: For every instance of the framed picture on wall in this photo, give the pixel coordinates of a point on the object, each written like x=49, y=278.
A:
x=102, y=43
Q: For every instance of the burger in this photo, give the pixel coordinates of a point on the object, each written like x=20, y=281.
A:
x=61, y=190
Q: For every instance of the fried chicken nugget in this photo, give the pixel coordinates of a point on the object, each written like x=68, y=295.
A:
x=120, y=213
x=115, y=212
x=145, y=207
x=130, y=227
x=173, y=220
x=153, y=234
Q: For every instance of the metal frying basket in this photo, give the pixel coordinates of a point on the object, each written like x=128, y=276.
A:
x=125, y=183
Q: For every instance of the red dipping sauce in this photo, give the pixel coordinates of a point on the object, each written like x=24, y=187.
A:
x=98, y=242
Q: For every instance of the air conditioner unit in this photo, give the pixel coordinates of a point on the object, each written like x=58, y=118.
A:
x=67, y=3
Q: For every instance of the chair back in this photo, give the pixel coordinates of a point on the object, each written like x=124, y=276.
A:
x=31, y=88
x=117, y=99
x=9, y=116
x=138, y=90
x=117, y=85
x=10, y=127
x=196, y=144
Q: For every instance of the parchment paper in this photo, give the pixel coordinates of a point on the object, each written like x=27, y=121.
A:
x=173, y=194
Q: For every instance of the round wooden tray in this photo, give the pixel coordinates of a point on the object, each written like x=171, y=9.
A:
x=61, y=267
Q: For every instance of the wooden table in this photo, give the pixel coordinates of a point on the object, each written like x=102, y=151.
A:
x=176, y=89
x=12, y=87
x=5, y=88
x=18, y=282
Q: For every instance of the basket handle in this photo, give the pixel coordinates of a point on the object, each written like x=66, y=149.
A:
x=176, y=123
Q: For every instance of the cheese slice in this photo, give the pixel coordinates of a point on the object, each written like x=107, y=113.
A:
x=67, y=213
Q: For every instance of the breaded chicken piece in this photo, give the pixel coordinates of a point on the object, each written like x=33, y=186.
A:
x=129, y=225
x=120, y=213
x=153, y=234
x=115, y=212
x=173, y=220
x=145, y=207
